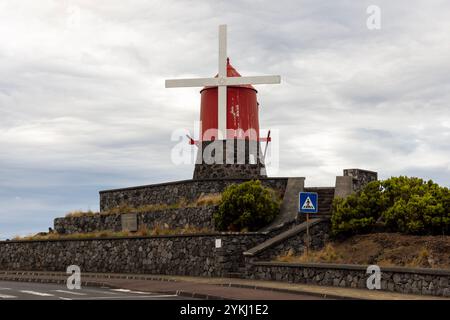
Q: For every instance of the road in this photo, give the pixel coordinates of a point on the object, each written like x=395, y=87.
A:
x=40, y=291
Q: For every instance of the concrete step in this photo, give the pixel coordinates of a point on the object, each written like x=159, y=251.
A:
x=326, y=197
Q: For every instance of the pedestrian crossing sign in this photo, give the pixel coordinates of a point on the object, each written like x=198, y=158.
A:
x=308, y=202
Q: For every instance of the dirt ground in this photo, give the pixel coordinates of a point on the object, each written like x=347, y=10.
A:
x=384, y=249
x=392, y=249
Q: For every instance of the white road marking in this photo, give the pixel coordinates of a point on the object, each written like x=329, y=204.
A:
x=71, y=292
x=165, y=296
x=5, y=288
x=5, y=296
x=130, y=291
x=99, y=291
x=121, y=290
x=130, y=297
x=62, y=298
x=41, y=294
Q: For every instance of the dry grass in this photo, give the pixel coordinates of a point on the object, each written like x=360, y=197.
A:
x=57, y=236
x=383, y=249
x=142, y=232
x=208, y=200
x=327, y=255
x=422, y=259
x=386, y=263
x=203, y=200
x=79, y=213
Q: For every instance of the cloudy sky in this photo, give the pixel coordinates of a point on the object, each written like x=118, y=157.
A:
x=83, y=105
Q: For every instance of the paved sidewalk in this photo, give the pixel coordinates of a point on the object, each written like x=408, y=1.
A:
x=214, y=288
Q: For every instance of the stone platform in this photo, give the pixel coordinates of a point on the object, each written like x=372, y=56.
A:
x=176, y=218
x=173, y=192
x=180, y=193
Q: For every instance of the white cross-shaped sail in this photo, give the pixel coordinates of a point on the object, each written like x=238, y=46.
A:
x=222, y=81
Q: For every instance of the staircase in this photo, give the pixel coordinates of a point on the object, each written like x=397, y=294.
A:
x=326, y=196
x=241, y=271
x=290, y=223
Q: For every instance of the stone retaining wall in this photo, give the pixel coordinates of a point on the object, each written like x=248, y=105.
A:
x=403, y=280
x=174, y=192
x=199, y=217
x=196, y=255
x=193, y=255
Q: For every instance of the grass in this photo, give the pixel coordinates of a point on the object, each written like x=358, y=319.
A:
x=79, y=213
x=211, y=199
x=385, y=250
x=327, y=255
x=203, y=200
x=142, y=232
x=423, y=259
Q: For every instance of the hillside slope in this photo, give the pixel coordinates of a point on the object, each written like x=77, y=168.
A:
x=384, y=249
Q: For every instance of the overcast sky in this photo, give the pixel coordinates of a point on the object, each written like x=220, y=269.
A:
x=83, y=105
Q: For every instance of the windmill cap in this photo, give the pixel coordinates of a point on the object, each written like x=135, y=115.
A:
x=231, y=72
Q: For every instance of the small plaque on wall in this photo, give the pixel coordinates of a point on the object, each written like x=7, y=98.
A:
x=129, y=222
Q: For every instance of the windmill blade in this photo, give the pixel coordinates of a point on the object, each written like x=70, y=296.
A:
x=222, y=89
x=199, y=82
x=253, y=80
x=222, y=112
x=223, y=50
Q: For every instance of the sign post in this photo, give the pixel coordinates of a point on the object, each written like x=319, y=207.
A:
x=308, y=203
x=307, y=235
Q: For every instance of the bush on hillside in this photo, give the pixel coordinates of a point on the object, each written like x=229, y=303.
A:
x=246, y=206
x=399, y=204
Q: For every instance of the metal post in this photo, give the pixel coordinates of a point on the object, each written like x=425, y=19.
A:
x=307, y=234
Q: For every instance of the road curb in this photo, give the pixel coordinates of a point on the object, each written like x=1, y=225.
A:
x=290, y=291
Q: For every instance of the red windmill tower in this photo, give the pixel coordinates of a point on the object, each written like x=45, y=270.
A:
x=229, y=145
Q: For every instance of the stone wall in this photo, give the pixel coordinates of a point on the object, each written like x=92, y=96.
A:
x=174, y=192
x=353, y=181
x=196, y=255
x=360, y=177
x=193, y=255
x=199, y=217
x=232, y=158
x=403, y=280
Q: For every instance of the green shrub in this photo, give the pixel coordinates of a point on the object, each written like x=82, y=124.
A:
x=399, y=204
x=246, y=206
x=359, y=212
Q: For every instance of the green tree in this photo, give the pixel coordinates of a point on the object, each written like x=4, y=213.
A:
x=246, y=206
x=400, y=204
x=359, y=212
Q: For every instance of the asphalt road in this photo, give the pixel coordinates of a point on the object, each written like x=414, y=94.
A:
x=41, y=291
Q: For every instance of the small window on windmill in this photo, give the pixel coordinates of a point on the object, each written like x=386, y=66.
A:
x=218, y=243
